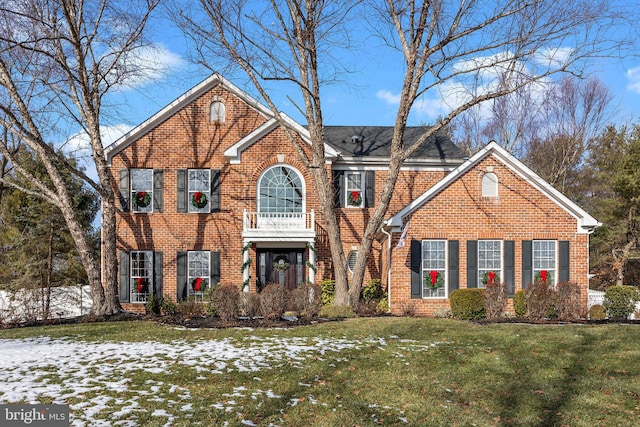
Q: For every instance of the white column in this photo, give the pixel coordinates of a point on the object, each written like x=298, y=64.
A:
x=246, y=272
x=312, y=261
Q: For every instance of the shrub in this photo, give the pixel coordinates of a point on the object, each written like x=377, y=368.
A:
x=190, y=307
x=373, y=291
x=620, y=301
x=307, y=299
x=251, y=302
x=226, y=300
x=567, y=300
x=467, y=304
x=408, y=308
x=495, y=299
x=274, y=301
x=519, y=305
x=539, y=299
x=328, y=287
x=597, y=312
x=442, y=313
x=168, y=307
x=337, y=311
x=383, y=305
x=154, y=304
x=367, y=308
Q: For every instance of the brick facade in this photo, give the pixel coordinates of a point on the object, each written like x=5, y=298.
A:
x=184, y=138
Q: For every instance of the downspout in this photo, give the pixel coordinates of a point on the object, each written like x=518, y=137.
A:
x=388, y=267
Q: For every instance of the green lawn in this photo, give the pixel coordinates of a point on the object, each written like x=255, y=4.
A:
x=359, y=372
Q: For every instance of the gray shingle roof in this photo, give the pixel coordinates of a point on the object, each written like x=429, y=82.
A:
x=375, y=141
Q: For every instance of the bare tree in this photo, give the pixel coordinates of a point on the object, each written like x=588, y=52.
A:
x=472, y=51
x=58, y=60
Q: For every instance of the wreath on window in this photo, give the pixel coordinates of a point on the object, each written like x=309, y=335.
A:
x=142, y=285
x=199, y=200
x=490, y=278
x=355, y=198
x=142, y=199
x=434, y=280
x=281, y=263
x=542, y=276
x=199, y=284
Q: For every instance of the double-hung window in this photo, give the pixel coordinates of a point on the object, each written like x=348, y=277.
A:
x=141, y=190
x=199, y=182
x=198, y=273
x=141, y=275
x=354, y=189
x=434, y=268
x=489, y=261
x=544, y=261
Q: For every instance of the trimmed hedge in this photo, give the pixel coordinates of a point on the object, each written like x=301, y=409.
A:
x=620, y=301
x=467, y=304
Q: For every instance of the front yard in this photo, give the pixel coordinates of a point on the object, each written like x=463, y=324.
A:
x=359, y=372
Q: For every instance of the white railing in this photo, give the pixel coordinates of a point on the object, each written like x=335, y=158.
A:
x=279, y=221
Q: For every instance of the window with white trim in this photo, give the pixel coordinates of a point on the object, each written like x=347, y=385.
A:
x=280, y=190
x=217, y=112
x=489, y=262
x=199, y=185
x=198, y=273
x=545, y=261
x=351, y=260
x=489, y=185
x=141, y=190
x=434, y=268
x=354, y=189
x=141, y=266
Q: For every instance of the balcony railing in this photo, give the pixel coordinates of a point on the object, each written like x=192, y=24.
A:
x=279, y=222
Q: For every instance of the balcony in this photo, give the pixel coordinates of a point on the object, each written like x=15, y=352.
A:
x=279, y=226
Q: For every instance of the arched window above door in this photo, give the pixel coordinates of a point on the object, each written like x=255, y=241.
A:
x=281, y=189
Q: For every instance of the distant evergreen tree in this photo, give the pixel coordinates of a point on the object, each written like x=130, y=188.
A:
x=36, y=249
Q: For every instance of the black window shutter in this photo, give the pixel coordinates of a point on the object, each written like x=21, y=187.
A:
x=125, y=283
x=181, y=273
x=472, y=263
x=338, y=186
x=157, y=273
x=416, y=268
x=182, y=192
x=565, y=266
x=215, y=190
x=157, y=190
x=509, y=267
x=215, y=268
x=124, y=190
x=454, y=265
x=370, y=189
x=527, y=263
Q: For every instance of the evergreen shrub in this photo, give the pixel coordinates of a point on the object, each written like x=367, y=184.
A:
x=467, y=304
x=620, y=301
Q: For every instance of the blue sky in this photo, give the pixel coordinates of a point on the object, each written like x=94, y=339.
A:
x=368, y=98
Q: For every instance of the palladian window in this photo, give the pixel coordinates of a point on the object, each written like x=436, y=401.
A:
x=280, y=190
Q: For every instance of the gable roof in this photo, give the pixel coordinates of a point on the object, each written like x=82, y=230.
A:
x=586, y=223
x=183, y=100
x=357, y=142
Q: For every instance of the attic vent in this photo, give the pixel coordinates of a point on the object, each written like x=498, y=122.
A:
x=356, y=138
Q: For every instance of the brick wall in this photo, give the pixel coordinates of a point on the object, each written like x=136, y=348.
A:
x=459, y=212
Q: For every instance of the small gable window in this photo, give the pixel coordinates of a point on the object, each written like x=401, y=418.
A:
x=218, y=112
x=489, y=185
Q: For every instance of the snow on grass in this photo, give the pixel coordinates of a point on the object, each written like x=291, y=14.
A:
x=64, y=371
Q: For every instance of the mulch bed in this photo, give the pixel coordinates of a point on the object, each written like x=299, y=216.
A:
x=212, y=322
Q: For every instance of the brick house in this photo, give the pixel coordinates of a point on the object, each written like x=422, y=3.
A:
x=211, y=191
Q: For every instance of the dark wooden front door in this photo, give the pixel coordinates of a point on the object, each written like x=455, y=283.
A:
x=285, y=267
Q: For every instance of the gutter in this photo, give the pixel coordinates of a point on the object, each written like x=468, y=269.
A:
x=388, y=266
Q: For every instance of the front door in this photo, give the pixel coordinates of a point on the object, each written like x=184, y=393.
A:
x=285, y=267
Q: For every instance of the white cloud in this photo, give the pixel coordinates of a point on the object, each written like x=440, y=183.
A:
x=147, y=64
x=633, y=75
x=388, y=96
x=553, y=57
